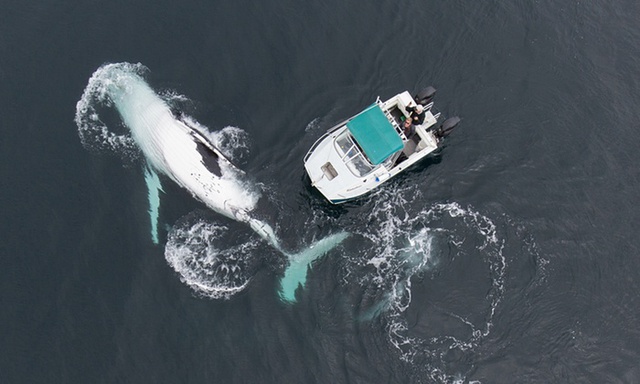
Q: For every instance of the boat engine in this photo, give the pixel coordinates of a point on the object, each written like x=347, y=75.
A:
x=446, y=127
x=425, y=96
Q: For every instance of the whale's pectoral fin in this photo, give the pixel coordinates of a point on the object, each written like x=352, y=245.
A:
x=154, y=188
x=295, y=275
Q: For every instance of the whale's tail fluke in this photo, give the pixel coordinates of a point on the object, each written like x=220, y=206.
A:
x=296, y=273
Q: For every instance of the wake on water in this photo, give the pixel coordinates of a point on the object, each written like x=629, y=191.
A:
x=406, y=246
x=169, y=148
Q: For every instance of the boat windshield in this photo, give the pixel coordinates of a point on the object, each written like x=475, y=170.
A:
x=352, y=155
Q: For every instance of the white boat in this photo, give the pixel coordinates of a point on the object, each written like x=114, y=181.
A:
x=362, y=152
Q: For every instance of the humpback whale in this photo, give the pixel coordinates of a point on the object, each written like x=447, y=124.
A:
x=179, y=150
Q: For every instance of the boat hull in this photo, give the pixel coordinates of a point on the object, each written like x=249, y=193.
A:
x=331, y=166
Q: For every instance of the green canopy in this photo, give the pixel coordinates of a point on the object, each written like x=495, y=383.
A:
x=375, y=134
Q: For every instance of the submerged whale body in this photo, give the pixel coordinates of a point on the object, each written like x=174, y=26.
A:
x=180, y=151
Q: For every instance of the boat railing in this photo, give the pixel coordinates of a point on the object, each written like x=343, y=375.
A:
x=317, y=142
x=390, y=117
x=313, y=147
x=428, y=106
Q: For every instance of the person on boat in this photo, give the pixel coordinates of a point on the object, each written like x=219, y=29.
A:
x=417, y=113
x=410, y=133
x=408, y=128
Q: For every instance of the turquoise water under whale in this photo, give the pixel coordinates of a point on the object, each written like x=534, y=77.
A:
x=509, y=256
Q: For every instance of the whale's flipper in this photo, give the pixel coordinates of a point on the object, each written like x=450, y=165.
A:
x=154, y=188
x=296, y=273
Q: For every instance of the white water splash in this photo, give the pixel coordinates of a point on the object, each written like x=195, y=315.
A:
x=406, y=247
x=95, y=134
x=491, y=252
x=211, y=271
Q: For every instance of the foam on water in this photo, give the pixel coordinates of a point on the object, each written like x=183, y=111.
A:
x=212, y=271
x=95, y=133
x=490, y=250
x=408, y=245
x=469, y=234
x=232, y=141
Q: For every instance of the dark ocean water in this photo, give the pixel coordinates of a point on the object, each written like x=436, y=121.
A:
x=529, y=270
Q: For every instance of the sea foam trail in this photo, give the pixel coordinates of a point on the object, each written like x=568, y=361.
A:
x=441, y=242
x=180, y=149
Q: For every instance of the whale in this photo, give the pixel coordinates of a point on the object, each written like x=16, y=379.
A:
x=182, y=153
x=178, y=149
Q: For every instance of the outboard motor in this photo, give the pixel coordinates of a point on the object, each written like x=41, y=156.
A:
x=425, y=96
x=446, y=127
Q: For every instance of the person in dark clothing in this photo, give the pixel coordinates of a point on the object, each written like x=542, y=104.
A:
x=408, y=128
x=417, y=113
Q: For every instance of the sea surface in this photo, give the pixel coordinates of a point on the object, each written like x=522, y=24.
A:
x=511, y=255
